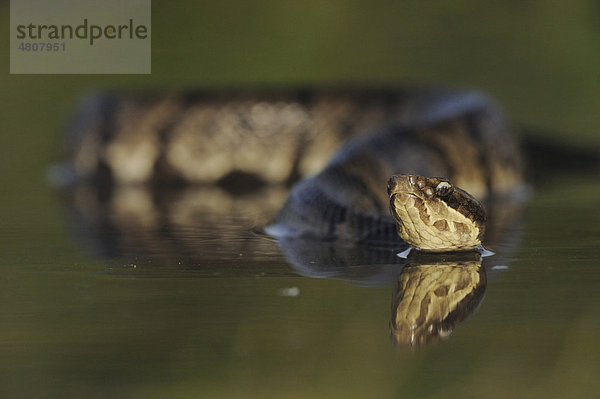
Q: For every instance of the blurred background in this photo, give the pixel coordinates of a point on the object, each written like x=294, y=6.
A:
x=540, y=59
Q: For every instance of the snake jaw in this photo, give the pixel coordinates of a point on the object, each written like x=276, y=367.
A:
x=433, y=215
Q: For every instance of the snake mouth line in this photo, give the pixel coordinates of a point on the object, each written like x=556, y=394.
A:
x=393, y=200
x=405, y=193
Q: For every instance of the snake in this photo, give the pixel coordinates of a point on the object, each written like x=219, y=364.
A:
x=434, y=295
x=442, y=153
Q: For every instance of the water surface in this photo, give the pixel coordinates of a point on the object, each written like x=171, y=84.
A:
x=100, y=310
x=218, y=311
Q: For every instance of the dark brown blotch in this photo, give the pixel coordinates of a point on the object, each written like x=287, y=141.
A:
x=441, y=225
x=466, y=205
x=423, y=214
x=460, y=227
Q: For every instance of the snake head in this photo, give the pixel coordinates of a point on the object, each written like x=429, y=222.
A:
x=434, y=215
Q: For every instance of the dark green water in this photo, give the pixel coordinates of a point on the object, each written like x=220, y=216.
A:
x=207, y=322
x=163, y=326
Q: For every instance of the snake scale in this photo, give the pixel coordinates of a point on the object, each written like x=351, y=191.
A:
x=338, y=147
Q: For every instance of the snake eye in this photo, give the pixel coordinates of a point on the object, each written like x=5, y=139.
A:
x=389, y=188
x=443, y=189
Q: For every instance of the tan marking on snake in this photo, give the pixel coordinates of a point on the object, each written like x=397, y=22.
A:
x=459, y=218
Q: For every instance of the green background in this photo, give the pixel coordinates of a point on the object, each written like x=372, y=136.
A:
x=540, y=59
x=70, y=325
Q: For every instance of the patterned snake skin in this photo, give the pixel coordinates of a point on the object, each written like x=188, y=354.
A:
x=277, y=136
x=228, y=160
x=242, y=140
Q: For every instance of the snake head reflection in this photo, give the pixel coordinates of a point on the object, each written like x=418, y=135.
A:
x=433, y=296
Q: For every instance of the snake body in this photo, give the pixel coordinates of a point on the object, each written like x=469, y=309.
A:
x=466, y=142
x=342, y=146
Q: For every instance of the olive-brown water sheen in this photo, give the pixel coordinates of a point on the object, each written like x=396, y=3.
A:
x=242, y=324
x=76, y=322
